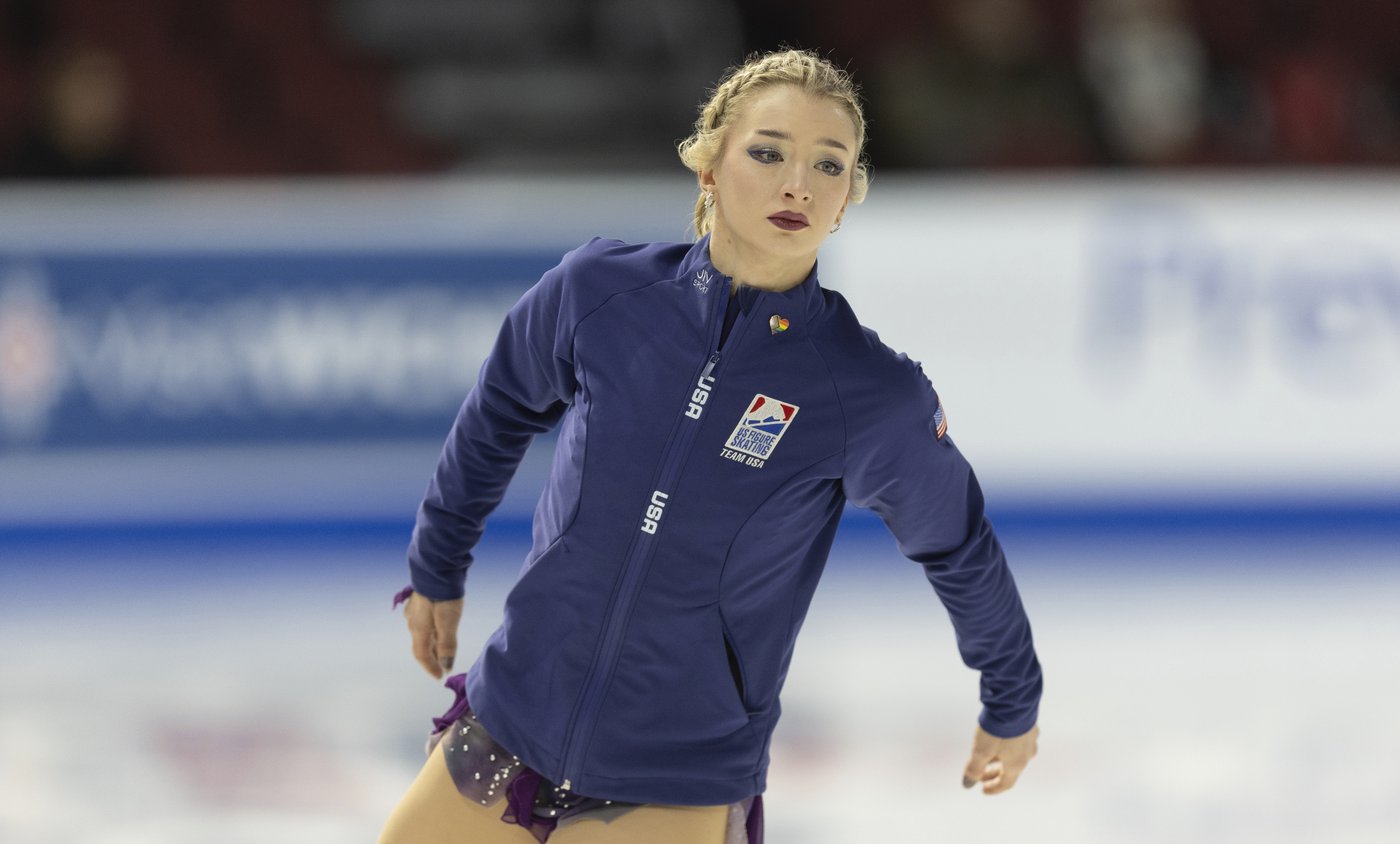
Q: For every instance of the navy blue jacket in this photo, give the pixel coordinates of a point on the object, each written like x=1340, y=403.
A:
x=692, y=503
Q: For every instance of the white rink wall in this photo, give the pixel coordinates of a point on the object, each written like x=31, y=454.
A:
x=1213, y=333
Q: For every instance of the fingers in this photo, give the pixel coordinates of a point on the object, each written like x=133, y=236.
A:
x=433, y=627
x=984, y=750
x=419, y=614
x=980, y=770
x=424, y=653
x=446, y=616
x=999, y=778
x=424, y=644
x=998, y=763
x=1011, y=761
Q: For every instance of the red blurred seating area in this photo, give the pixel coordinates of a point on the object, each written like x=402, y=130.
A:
x=206, y=88
x=190, y=88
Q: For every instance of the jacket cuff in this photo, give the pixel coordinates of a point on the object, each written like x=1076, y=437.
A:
x=432, y=593
x=1007, y=729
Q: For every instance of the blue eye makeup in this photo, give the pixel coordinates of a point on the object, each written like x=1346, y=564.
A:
x=768, y=155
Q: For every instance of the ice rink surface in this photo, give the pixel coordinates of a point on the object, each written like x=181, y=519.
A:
x=1200, y=687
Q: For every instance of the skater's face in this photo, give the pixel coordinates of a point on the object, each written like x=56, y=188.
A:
x=784, y=173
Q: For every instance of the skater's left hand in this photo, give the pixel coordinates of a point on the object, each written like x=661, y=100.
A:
x=998, y=762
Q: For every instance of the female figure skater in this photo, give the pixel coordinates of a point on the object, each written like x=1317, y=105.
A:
x=717, y=407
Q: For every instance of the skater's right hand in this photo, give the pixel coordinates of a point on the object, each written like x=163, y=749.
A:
x=433, y=625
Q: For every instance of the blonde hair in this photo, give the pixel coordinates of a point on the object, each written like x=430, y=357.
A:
x=808, y=71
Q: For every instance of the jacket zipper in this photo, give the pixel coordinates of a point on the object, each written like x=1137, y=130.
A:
x=633, y=567
x=710, y=365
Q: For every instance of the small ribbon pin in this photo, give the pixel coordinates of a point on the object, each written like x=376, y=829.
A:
x=777, y=324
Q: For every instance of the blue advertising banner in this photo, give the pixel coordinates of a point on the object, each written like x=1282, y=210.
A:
x=245, y=347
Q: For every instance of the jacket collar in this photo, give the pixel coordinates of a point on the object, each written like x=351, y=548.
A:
x=805, y=299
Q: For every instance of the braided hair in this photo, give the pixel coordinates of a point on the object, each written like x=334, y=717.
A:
x=810, y=72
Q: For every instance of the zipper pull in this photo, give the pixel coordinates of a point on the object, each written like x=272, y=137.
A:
x=710, y=366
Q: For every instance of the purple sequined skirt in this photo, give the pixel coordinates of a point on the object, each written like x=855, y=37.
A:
x=487, y=773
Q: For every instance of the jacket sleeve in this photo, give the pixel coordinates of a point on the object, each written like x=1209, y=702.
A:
x=523, y=389
x=925, y=491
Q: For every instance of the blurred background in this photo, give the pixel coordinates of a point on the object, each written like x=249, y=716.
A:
x=252, y=254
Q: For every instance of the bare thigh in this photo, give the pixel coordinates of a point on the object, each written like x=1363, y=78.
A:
x=435, y=812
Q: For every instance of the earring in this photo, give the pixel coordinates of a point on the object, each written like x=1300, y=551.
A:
x=709, y=200
x=836, y=228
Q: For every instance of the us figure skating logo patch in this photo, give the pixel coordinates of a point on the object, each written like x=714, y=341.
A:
x=759, y=430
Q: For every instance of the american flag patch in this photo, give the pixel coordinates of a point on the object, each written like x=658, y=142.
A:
x=940, y=422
